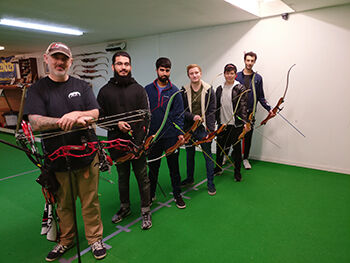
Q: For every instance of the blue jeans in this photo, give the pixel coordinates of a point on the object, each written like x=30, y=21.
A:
x=199, y=134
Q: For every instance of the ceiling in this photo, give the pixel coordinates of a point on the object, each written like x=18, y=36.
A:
x=109, y=20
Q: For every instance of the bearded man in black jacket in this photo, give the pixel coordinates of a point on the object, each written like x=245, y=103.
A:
x=122, y=94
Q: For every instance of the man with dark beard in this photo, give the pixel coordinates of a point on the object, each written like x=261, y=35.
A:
x=122, y=94
x=160, y=93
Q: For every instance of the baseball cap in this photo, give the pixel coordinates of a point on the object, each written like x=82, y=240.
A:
x=58, y=47
x=230, y=67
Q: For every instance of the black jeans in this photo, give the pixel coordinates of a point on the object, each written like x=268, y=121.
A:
x=140, y=169
x=247, y=142
x=157, y=150
x=225, y=139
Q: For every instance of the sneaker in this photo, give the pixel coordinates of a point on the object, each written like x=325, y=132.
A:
x=217, y=171
x=187, y=182
x=121, y=214
x=211, y=190
x=180, y=202
x=146, y=220
x=98, y=249
x=57, y=252
x=246, y=164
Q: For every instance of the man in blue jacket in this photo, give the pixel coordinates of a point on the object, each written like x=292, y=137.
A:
x=245, y=78
x=161, y=94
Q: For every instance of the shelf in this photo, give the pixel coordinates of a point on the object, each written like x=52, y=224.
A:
x=13, y=87
x=10, y=102
x=28, y=69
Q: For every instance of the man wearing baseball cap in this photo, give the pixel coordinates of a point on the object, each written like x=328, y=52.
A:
x=231, y=101
x=60, y=102
x=58, y=47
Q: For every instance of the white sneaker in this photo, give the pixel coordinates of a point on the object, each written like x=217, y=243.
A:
x=246, y=164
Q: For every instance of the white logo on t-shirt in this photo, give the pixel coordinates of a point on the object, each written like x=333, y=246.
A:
x=74, y=94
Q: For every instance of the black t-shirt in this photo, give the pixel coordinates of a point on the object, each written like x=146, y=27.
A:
x=197, y=101
x=54, y=99
x=247, y=80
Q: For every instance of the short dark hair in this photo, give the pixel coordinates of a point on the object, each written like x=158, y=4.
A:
x=230, y=67
x=163, y=62
x=121, y=54
x=251, y=53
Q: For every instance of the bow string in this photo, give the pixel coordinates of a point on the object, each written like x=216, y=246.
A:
x=277, y=108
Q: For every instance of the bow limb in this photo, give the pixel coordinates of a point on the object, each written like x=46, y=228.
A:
x=249, y=126
x=255, y=98
x=138, y=150
x=189, y=138
x=153, y=138
x=244, y=132
x=134, y=151
x=277, y=108
x=166, y=114
x=27, y=152
x=251, y=117
x=211, y=135
x=65, y=151
x=156, y=159
x=186, y=136
x=125, y=158
x=184, y=91
x=274, y=112
x=217, y=75
x=148, y=142
x=20, y=113
x=27, y=138
x=27, y=141
x=92, y=147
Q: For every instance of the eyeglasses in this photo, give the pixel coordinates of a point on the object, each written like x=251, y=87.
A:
x=126, y=64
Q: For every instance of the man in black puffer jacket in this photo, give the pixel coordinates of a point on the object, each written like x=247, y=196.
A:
x=122, y=94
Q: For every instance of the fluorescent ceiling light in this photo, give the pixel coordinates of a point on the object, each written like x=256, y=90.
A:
x=41, y=27
x=262, y=8
x=2, y=48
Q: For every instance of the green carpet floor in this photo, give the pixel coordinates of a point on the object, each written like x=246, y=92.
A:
x=278, y=213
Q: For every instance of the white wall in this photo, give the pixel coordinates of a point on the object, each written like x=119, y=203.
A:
x=317, y=100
